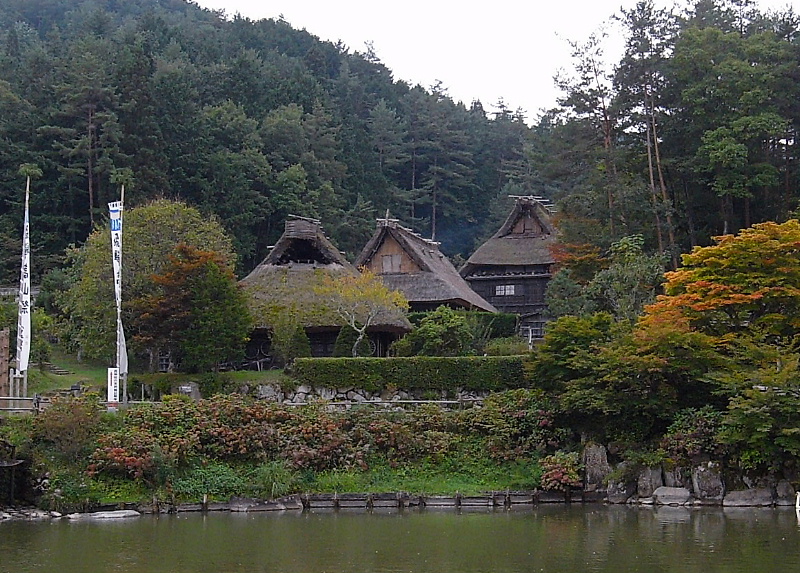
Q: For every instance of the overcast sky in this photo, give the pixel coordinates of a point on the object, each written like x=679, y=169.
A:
x=485, y=51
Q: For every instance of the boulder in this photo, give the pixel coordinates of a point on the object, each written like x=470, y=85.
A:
x=326, y=393
x=665, y=495
x=620, y=491
x=269, y=392
x=707, y=483
x=649, y=480
x=785, y=494
x=754, y=497
x=597, y=468
x=675, y=477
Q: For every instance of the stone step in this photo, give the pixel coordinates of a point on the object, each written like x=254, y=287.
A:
x=53, y=369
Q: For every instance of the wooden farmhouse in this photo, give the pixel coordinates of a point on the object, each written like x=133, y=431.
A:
x=282, y=287
x=511, y=270
x=417, y=268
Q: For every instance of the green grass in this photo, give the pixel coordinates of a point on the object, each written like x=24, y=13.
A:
x=470, y=478
x=89, y=373
x=93, y=374
x=263, y=377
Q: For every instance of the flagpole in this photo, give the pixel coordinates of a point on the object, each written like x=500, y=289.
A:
x=121, y=347
x=120, y=369
x=24, y=311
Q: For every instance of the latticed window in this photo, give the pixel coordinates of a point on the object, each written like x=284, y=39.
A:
x=504, y=290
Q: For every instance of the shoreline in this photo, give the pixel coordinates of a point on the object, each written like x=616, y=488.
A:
x=362, y=502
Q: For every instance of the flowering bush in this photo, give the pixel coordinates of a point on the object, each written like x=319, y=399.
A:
x=561, y=471
x=129, y=453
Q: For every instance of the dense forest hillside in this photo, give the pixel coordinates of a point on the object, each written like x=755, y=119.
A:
x=691, y=134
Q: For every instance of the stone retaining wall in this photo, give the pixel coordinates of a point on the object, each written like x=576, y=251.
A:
x=304, y=394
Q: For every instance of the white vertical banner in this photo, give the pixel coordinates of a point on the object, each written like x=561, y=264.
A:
x=24, y=314
x=115, y=215
x=113, y=387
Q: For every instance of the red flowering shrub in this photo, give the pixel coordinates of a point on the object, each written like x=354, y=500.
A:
x=561, y=471
x=237, y=428
x=128, y=453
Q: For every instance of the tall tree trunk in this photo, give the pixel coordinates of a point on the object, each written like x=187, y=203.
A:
x=689, y=214
x=665, y=199
x=607, y=145
x=413, y=182
x=746, y=212
x=653, y=195
x=90, y=166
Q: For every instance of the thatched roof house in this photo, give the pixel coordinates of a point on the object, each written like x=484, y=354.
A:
x=283, y=287
x=414, y=266
x=511, y=270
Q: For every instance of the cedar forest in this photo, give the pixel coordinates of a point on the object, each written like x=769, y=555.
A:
x=690, y=135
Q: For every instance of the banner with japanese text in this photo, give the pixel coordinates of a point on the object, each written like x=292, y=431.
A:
x=24, y=315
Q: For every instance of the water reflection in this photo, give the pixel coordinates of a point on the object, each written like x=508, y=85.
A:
x=549, y=539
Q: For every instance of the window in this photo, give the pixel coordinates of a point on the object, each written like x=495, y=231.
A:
x=504, y=290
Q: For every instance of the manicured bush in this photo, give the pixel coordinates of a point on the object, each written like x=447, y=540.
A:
x=474, y=373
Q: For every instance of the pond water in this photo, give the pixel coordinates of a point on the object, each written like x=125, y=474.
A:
x=543, y=539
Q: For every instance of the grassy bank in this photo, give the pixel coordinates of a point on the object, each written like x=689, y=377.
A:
x=179, y=450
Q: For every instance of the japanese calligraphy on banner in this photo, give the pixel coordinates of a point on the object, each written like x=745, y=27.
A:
x=115, y=215
x=24, y=315
x=113, y=385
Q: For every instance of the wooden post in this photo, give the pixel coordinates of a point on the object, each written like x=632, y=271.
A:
x=5, y=388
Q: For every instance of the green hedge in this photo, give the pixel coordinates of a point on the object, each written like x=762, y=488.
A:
x=479, y=373
x=499, y=324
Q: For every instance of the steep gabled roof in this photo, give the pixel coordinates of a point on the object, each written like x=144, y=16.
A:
x=524, y=239
x=304, y=242
x=434, y=280
x=285, y=281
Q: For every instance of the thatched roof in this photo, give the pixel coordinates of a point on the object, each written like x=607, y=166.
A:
x=525, y=238
x=304, y=242
x=285, y=282
x=432, y=280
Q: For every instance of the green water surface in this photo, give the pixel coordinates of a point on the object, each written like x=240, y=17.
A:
x=544, y=539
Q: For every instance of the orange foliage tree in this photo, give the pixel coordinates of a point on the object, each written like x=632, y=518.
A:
x=198, y=311
x=744, y=284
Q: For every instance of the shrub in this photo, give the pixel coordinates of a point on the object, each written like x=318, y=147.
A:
x=509, y=346
x=343, y=347
x=517, y=424
x=496, y=324
x=129, y=453
x=69, y=425
x=442, y=332
x=561, y=471
x=318, y=440
x=233, y=427
x=693, y=435
x=476, y=373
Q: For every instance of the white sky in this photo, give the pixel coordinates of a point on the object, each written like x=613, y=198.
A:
x=485, y=51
